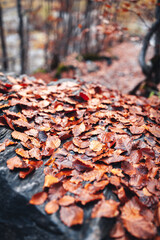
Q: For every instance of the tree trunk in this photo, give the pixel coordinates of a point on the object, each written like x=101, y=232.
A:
x=22, y=38
x=3, y=42
x=152, y=72
x=157, y=46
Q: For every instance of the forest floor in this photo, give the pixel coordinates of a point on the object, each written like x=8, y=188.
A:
x=123, y=74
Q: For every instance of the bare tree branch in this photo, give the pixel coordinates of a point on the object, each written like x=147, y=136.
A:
x=146, y=68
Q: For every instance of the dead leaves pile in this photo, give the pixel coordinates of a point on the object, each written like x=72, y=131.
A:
x=88, y=139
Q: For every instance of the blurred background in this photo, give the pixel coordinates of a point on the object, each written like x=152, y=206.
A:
x=39, y=35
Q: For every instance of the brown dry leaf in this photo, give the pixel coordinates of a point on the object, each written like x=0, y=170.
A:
x=84, y=196
x=155, y=130
x=56, y=191
x=105, y=208
x=66, y=200
x=71, y=215
x=135, y=223
x=53, y=142
x=124, y=143
x=51, y=207
x=77, y=130
x=35, y=164
x=50, y=180
x=35, y=153
x=23, y=153
x=106, y=137
x=72, y=187
x=23, y=174
x=135, y=156
x=2, y=147
x=32, y=132
x=136, y=129
x=16, y=162
x=80, y=143
x=117, y=231
x=95, y=145
x=158, y=215
x=82, y=165
x=9, y=142
x=22, y=124
x=38, y=198
x=20, y=136
x=35, y=142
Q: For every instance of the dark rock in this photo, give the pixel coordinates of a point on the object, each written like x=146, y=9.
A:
x=20, y=220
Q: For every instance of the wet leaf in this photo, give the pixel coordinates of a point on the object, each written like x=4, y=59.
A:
x=16, y=162
x=51, y=207
x=105, y=208
x=50, y=180
x=20, y=136
x=71, y=215
x=22, y=152
x=38, y=198
x=66, y=200
x=135, y=223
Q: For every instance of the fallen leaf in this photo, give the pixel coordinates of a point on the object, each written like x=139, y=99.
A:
x=38, y=198
x=135, y=223
x=66, y=201
x=16, y=162
x=80, y=143
x=95, y=145
x=20, y=136
x=71, y=215
x=51, y=207
x=155, y=130
x=77, y=130
x=50, y=180
x=105, y=208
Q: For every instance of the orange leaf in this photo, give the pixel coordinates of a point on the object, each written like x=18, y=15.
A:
x=78, y=129
x=16, y=162
x=71, y=215
x=66, y=200
x=38, y=198
x=22, y=152
x=50, y=180
x=20, y=136
x=105, y=208
x=51, y=207
x=95, y=145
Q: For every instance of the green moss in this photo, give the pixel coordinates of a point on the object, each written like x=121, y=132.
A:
x=40, y=70
x=63, y=68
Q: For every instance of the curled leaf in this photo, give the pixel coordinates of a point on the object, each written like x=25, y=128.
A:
x=38, y=198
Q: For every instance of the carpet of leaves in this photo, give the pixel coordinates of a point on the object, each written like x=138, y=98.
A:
x=89, y=138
